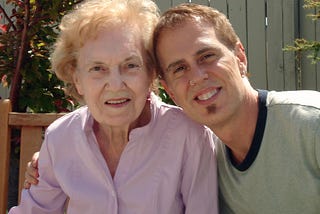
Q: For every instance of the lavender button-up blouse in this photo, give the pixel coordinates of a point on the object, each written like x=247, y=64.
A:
x=168, y=167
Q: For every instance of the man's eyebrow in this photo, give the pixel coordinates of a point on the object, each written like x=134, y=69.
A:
x=174, y=64
x=199, y=52
x=203, y=50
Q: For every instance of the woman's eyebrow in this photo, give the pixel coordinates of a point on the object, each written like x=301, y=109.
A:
x=133, y=57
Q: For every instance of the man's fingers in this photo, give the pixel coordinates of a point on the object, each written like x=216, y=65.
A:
x=34, y=160
x=31, y=175
x=29, y=179
x=31, y=171
x=26, y=185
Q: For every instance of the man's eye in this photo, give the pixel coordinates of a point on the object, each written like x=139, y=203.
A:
x=207, y=57
x=179, y=69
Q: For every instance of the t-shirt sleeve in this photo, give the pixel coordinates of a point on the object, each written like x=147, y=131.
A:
x=317, y=145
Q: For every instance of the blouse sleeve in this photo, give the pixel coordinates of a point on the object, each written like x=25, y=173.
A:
x=47, y=197
x=199, y=178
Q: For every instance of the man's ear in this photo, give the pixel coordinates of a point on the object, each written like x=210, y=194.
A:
x=242, y=58
x=167, y=89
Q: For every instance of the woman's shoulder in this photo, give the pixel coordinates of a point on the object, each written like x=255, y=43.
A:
x=174, y=116
x=69, y=120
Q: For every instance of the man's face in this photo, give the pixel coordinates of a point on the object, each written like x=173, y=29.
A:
x=201, y=74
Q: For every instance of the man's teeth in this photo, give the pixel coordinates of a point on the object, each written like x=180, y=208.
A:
x=116, y=101
x=207, y=95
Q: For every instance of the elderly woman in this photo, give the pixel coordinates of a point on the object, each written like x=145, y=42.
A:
x=124, y=151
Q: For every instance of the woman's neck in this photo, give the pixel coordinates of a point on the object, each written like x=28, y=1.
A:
x=111, y=144
x=112, y=140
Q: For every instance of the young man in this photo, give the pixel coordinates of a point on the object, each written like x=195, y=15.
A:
x=269, y=147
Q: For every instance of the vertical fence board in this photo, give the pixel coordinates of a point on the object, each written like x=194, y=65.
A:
x=203, y=2
x=318, y=63
x=256, y=51
x=274, y=43
x=220, y=5
x=290, y=23
x=176, y=2
x=308, y=32
x=163, y=4
x=237, y=15
x=4, y=91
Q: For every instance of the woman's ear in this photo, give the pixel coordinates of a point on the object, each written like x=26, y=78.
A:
x=77, y=82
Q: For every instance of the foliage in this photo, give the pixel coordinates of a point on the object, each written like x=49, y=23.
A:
x=302, y=44
x=25, y=40
x=164, y=96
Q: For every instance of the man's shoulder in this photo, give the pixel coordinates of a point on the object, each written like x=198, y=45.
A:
x=307, y=98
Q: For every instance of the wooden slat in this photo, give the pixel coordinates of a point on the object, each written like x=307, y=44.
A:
x=4, y=92
x=317, y=24
x=5, y=108
x=308, y=32
x=274, y=43
x=220, y=5
x=163, y=5
x=290, y=23
x=203, y=2
x=238, y=17
x=256, y=51
x=31, y=140
x=32, y=119
x=176, y=2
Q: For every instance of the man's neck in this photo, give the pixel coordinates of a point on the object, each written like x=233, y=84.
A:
x=238, y=133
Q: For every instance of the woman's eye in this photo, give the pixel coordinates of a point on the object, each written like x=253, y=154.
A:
x=133, y=65
x=97, y=68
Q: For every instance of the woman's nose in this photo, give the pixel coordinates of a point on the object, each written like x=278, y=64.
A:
x=115, y=81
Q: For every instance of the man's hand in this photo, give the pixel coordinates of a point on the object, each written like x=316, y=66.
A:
x=31, y=175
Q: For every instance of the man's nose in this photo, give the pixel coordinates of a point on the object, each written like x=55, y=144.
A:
x=198, y=75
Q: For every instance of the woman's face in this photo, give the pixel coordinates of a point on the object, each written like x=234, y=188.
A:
x=112, y=76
